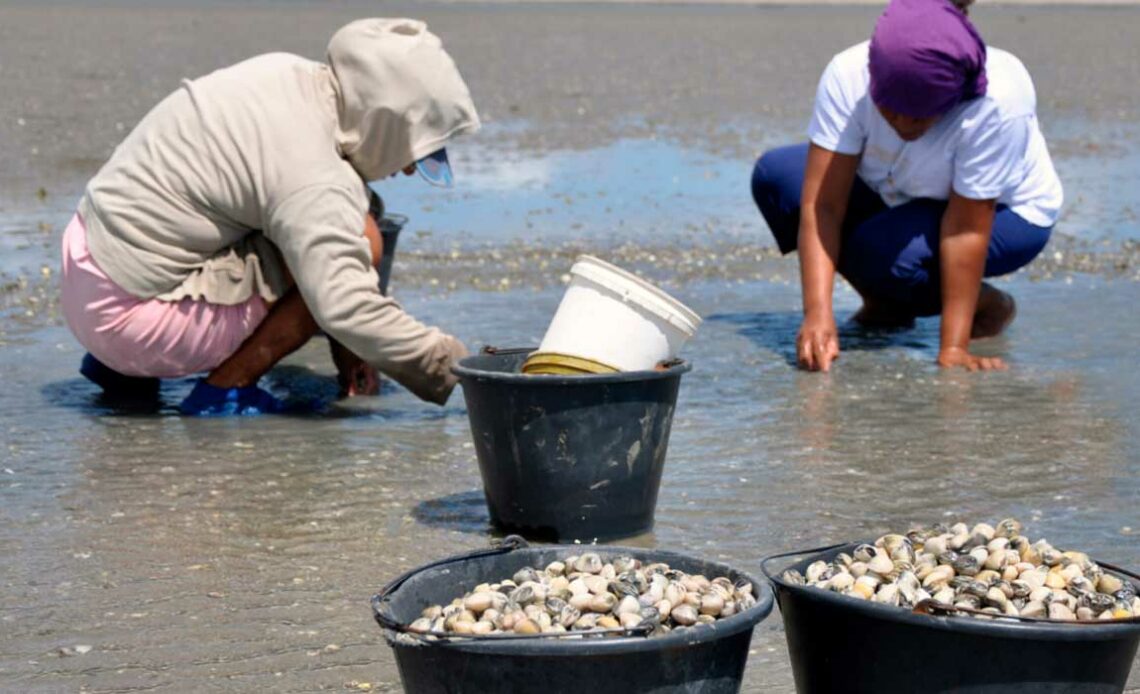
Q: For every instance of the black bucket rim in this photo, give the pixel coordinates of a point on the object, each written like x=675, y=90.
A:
x=1041, y=630
x=571, y=647
x=395, y=220
x=672, y=370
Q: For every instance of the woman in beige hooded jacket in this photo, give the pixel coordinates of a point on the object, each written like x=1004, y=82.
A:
x=232, y=224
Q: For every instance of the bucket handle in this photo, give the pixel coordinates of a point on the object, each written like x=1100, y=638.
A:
x=933, y=607
x=794, y=553
x=380, y=605
x=380, y=601
x=491, y=350
x=643, y=630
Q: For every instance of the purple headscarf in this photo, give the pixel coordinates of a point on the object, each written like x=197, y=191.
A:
x=926, y=57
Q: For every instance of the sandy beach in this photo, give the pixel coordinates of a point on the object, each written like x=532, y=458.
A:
x=145, y=551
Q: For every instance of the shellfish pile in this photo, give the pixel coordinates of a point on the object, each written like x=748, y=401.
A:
x=583, y=593
x=984, y=571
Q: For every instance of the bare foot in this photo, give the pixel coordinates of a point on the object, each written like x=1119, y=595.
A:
x=876, y=313
x=996, y=310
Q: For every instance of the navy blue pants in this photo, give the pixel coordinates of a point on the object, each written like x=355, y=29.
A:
x=888, y=253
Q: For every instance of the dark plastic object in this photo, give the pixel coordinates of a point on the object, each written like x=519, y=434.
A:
x=390, y=226
x=118, y=386
x=569, y=457
x=697, y=660
x=840, y=644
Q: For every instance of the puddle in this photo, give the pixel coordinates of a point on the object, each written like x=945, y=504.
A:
x=632, y=190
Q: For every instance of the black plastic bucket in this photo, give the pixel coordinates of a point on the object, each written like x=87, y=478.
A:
x=696, y=660
x=569, y=457
x=840, y=644
x=390, y=226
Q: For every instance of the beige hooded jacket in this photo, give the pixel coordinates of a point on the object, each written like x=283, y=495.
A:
x=266, y=161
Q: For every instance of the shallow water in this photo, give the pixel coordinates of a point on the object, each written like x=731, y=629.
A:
x=239, y=555
x=224, y=552
x=233, y=555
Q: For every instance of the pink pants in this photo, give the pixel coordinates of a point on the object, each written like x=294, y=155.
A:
x=147, y=337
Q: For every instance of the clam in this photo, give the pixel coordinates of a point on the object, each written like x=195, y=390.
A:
x=1008, y=528
x=794, y=578
x=568, y=615
x=880, y=564
x=966, y=565
x=527, y=626
x=1109, y=584
x=815, y=571
x=479, y=602
x=628, y=604
x=603, y=603
x=887, y=594
x=624, y=564
x=841, y=581
x=526, y=574
x=589, y=563
x=712, y=605
x=936, y=545
x=864, y=553
x=685, y=615
x=630, y=620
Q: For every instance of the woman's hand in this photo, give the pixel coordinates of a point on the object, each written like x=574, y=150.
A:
x=964, y=242
x=950, y=357
x=817, y=344
x=828, y=179
x=354, y=375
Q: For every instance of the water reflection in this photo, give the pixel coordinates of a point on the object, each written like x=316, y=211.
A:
x=776, y=332
x=463, y=512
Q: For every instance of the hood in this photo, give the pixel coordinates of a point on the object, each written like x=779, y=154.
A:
x=399, y=95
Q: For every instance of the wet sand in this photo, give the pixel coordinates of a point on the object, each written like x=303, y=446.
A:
x=145, y=551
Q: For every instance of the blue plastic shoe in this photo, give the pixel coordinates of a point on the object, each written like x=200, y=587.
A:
x=211, y=401
x=117, y=385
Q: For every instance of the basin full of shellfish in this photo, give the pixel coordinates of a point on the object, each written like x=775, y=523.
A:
x=611, y=619
x=979, y=608
x=584, y=595
x=982, y=571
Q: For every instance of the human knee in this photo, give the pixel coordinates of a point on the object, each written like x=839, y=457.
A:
x=769, y=174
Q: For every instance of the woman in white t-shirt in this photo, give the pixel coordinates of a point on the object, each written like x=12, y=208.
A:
x=926, y=172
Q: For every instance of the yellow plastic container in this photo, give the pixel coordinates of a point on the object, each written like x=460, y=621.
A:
x=551, y=363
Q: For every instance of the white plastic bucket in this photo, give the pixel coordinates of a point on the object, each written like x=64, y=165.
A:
x=615, y=318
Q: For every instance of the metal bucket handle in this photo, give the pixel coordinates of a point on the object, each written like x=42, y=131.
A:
x=491, y=350
x=794, y=553
x=380, y=601
x=933, y=607
x=381, y=604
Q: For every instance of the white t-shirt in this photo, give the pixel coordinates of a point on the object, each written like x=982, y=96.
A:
x=984, y=149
